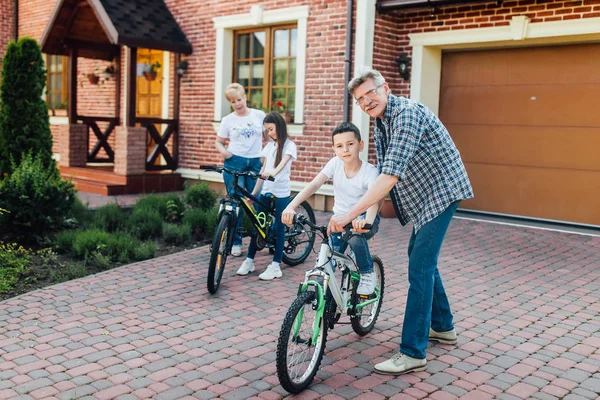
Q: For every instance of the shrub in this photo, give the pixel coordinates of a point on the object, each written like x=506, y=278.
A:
x=37, y=200
x=80, y=213
x=24, y=122
x=145, y=223
x=177, y=234
x=201, y=222
x=122, y=247
x=145, y=251
x=90, y=241
x=63, y=242
x=110, y=218
x=200, y=196
x=169, y=206
x=14, y=263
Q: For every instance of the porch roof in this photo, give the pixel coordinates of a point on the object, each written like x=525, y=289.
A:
x=97, y=27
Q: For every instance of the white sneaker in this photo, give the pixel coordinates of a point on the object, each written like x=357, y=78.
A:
x=245, y=268
x=401, y=364
x=236, y=251
x=271, y=273
x=366, y=286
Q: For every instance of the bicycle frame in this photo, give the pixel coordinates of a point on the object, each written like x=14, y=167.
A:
x=259, y=220
x=340, y=293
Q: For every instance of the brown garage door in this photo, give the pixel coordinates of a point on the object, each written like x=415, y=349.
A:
x=527, y=124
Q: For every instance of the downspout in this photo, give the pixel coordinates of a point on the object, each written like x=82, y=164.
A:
x=16, y=20
x=348, y=57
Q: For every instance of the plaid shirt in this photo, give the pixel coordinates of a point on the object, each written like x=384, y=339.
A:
x=413, y=145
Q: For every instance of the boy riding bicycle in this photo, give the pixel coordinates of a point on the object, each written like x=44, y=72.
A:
x=351, y=177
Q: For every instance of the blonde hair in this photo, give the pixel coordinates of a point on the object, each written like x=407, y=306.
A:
x=234, y=88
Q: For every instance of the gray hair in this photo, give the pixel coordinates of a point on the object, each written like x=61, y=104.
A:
x=363, y=75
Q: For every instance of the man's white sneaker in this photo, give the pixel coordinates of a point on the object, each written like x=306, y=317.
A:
x=236, y=251
x=448, y=337
x=271, y=273
x=401, y=364
x=245, y=268
x=367, y=284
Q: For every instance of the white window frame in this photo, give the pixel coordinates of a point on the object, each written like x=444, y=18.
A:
x=258, y=16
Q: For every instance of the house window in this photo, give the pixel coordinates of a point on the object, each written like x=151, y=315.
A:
x=265, y=64
x=57, y=82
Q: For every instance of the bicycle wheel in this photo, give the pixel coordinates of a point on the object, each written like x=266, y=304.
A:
x=218, y=253
x=363, y=320
x=298, y=358
x=298, y=240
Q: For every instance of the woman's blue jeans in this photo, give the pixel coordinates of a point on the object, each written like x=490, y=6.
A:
x=280, y=204
x=358, y=244
x=240, y=164
x=427, y=304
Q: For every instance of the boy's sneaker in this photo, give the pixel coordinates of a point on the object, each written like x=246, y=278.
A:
x=401, y=364
x=271, y=273
x=236, y=251
x=448, y=337
x=245, y=268
x=366, y=286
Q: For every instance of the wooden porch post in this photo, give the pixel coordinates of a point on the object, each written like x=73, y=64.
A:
x=72, y=86
x=131, y=86
x=118, y=87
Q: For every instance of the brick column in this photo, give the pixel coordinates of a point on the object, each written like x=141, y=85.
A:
x=130, y=150
x=74, y=146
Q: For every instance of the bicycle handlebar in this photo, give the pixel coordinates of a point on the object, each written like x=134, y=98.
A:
x=220, y=170
x=323, y=228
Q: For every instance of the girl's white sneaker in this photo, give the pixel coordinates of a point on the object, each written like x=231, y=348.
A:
x=271, y=273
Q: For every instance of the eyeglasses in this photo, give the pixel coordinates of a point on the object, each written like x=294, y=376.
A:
x=370, y=94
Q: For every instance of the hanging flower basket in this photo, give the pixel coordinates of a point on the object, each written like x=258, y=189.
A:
x=93, y=79
x=150, y=76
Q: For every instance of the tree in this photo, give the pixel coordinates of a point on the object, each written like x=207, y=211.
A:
x=24, y=123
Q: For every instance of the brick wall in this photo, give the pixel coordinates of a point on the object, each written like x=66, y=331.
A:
x=7, y=25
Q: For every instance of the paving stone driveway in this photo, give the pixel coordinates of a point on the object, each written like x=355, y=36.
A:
x=526, y=303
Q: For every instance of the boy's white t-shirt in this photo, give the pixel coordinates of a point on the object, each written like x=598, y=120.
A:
x=281, y=187
x=347, y=191
x=244, y=133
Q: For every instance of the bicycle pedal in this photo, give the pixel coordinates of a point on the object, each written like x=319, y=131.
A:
x=367, y=296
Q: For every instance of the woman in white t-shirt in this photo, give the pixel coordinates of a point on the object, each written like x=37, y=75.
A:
x=244, y=130
x=277, y=157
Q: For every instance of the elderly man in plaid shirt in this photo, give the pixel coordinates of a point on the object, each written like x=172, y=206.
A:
x=422, y=171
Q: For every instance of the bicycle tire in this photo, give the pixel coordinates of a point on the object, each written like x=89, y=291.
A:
x=297, y=234
x=218, y=253
x=362, y=323
x=292, y=379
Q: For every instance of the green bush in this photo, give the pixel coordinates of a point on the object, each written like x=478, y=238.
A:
x=110, y=218
x=80, y=213
x=202, y=222
x=63, y=242
x=37, y=200
x=14, y=263
x=122, y=247
x=24, y=122
x=90, y=241
x=177, y=234
x=200, y=196
x=169, y=206
x=146, y=223
x=145, y=251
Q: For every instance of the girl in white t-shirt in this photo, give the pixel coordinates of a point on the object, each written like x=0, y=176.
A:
x=244, y=130
x=277, y=157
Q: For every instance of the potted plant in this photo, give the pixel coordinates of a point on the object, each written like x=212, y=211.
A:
x=92, y=77
x=150, y=73
x=182, y=67
x=109, y=72
x=280, y=107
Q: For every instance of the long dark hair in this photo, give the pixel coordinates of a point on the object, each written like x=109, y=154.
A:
x=282, y=134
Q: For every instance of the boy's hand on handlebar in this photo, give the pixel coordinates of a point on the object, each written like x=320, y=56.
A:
x=287, y=216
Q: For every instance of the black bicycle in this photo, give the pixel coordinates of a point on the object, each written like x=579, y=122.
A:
x=298, y=241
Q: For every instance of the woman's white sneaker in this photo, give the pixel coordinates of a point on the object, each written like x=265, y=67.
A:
x=246, y=267
x=271, y=273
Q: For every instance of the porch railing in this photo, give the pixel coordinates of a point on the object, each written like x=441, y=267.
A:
x=161, y=148
x=102, y=136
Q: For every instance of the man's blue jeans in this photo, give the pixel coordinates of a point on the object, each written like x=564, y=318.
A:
x=280, y=204
x=427, y=304
x=240, y=164
x=360, y=247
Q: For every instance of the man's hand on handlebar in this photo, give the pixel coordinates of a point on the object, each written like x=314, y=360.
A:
x=358, y=226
